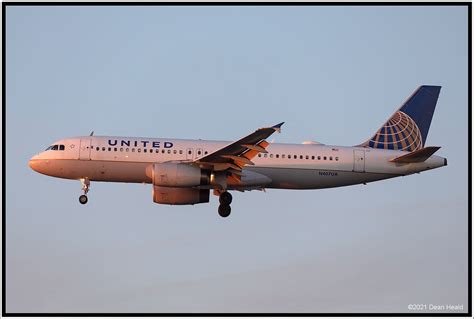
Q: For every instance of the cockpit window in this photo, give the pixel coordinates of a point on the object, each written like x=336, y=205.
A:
x=55, y=148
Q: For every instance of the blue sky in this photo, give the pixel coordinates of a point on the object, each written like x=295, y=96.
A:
x=333, y=74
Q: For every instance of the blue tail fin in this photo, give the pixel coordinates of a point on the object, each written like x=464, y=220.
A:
x=408, y=127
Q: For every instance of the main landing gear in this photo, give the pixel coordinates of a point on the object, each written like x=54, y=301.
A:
x=225, y=199
x=85, y=187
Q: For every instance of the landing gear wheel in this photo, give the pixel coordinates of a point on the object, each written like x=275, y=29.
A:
x=83, y=199
x=224, y=210
x=225, y=198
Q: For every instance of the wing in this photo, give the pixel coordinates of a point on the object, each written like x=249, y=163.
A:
x=236, y=155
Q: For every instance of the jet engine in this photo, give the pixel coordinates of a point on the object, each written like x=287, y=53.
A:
x=180, y=195
x=178, y=175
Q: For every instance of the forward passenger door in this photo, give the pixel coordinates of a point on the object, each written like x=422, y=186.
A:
x=85, y=149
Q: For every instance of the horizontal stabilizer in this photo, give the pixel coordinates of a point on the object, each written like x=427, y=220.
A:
x=418, y=156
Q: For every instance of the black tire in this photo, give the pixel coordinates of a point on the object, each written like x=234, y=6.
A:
x=83, y=199
x=224, y=210
x=225, y=198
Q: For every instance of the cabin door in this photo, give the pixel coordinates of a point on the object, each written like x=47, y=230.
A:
x=85, y=149
x=359, y=161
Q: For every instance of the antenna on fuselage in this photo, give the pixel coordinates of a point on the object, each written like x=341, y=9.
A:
x=92, y=133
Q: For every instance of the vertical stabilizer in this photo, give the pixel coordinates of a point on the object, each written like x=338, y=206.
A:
x=407, y=129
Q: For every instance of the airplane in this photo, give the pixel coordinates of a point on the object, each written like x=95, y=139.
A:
x=183, y=172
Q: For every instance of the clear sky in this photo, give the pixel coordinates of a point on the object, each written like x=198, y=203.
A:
x=333, y=74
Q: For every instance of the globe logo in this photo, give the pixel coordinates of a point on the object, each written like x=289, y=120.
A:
x=399, y=133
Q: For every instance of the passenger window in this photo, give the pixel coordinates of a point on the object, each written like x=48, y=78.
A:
x=133, y=150
x=169, y=151
x=205, y=153
x=282, y=155
x=126, y=150
x=295, y=156
x=301, y=156
x=139, y=150
x=121, y=149
x=103, y=148
x=189, y=152
x=319, y=158
x=325, y=158
x=289, y=156
x=337, y=158
x=157, y=151
x=180, y=151
x=97, y=148
x=115, y=149
x=175, y=151
x=312, y=157
x=277, y=156
x=307, y=157
x=110, y=149
x=330, y=158
x=259, y=155
x=271, y=155
x=144, y=150
x=163, y=151
x=265, y=155
x=199, y=152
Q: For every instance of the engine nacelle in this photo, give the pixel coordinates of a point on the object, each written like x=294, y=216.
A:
x=178, y=175
x=180, y=195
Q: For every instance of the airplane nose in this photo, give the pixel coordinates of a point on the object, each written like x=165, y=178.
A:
x=33, y=163
x=39, y=164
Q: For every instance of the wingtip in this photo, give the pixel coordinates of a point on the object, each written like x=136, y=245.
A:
x=278, y=127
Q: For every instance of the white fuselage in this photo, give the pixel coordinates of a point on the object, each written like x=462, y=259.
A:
x=288, y=166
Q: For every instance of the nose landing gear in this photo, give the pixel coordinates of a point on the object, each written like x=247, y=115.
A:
x=83, y=199
x=225, y=199
x=85, y=187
